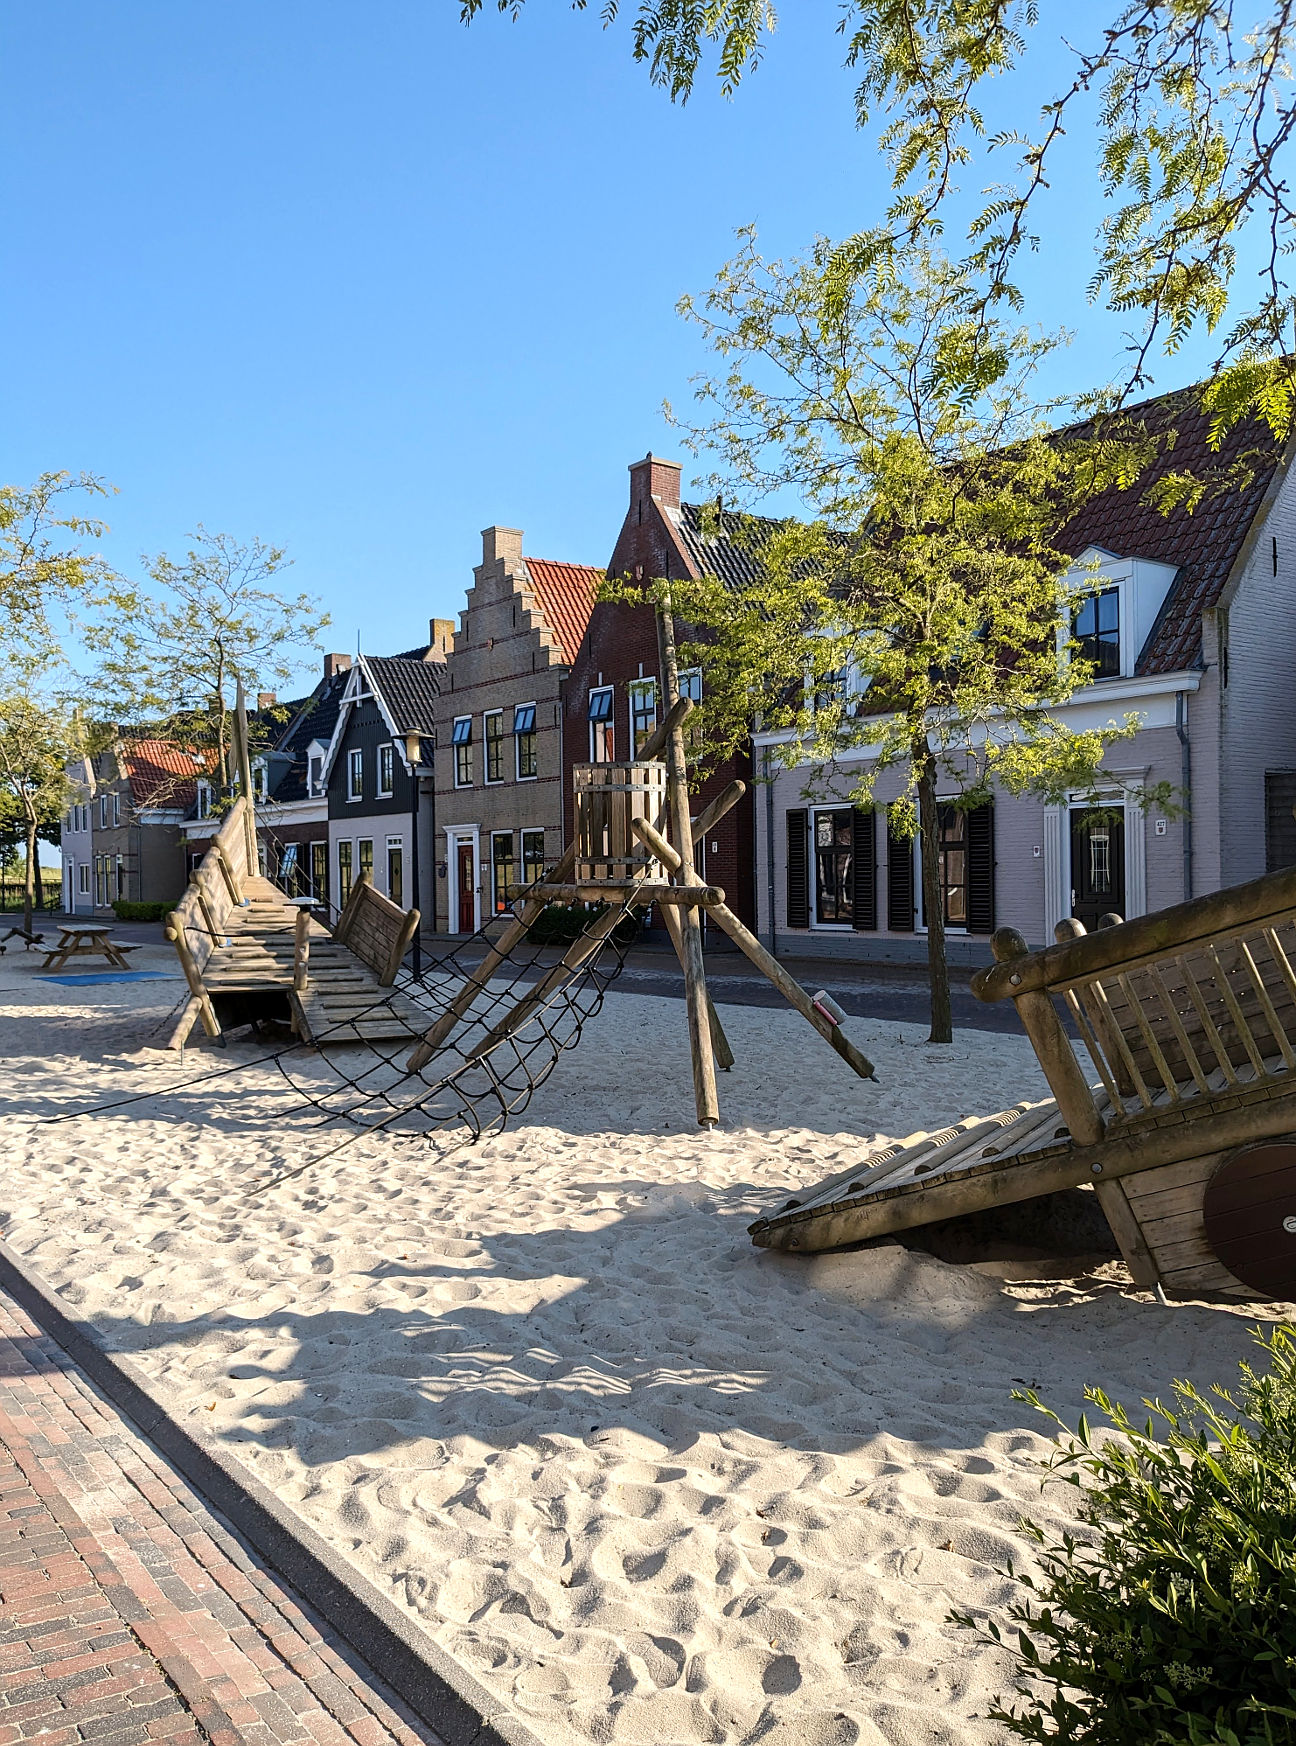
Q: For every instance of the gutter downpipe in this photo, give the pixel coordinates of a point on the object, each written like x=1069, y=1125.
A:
x=1185, y=782
x=769, y=850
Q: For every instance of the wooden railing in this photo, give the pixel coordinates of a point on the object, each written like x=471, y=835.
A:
x=1179, y=1010
x=196, y=926
x=377, y=930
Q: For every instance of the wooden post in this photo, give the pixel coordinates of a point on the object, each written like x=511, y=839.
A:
x=301, y=948
x=400, y=945
x=245, y=778
x=211, y=1024
x=1052, y=1047
x=209, y=920
x=719, y=1041
x=706, y=1097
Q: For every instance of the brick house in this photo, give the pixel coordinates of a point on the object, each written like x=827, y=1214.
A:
x=499, y=795
x=1193, y=629
x=122, y=837
x=611, y=697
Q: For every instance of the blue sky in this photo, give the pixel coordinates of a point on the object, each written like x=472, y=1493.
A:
x=361, y=281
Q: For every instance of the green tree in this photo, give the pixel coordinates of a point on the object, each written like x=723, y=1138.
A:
x=923, y=617
x=44, y=569
x=215, y=618
x=39, y=736
x=1187, y=107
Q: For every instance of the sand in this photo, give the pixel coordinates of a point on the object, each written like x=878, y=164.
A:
x=648, y=1483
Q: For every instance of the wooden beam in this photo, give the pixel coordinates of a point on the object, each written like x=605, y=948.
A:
x=1052, y=1048
x=580, y=949
x=400, y=945
x=301, y=950
x=719, y=1041
x=640, y=892
x=245, y=776
x=205, y=1009
x=724, y=802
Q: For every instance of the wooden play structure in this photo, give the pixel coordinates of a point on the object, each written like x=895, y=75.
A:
x=250, y=952
x=1189, y=1135
x=632, y=847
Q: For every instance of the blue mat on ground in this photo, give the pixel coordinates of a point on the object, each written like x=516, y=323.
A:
x=90, y=978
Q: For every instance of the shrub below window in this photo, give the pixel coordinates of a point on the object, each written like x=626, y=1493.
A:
x=141, y=912
x=1169, y=1618
x=561, y=923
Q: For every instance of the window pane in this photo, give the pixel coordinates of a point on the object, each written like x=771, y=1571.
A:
x=396, y=872
x=364, y=856
x=495, y=746
x=532, y=856
x=503, y=885
x=344, y=874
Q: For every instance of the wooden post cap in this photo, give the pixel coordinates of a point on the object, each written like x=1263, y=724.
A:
x=1111, y=920
x=1068, y=929
x=1007, y=944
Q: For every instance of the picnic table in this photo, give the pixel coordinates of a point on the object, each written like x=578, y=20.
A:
x=87, y=939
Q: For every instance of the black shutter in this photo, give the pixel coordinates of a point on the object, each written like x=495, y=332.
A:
x=864, y=870
x=1280, y=827
x=981, y=870
x=900, y=883
x=798, y=868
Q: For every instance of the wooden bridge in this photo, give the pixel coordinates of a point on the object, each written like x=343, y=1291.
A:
x=248, y=951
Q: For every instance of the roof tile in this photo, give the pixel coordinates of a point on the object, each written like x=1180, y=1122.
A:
x=566, y=594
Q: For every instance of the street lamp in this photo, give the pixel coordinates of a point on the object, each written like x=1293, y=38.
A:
x=413, y=748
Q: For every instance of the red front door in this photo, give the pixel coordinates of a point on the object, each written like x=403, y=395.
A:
x=467, y=908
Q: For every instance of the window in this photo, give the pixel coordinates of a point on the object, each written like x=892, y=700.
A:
x=120, y=872
x=101, y=881
x=643, y=713
x=83, y=878
x=319, y=872
x=315, y=774
x=385, y=769
x=396, y=870
x=355, y=775
x=503, y=871
x=952, y=864
x=533, y=860
x=602, y=731
x=260, y=779
x=116, y=808
x=1097, y=631
x=364, y=858
x=344, y=874
x=493, y=728
x=834, y=865
x=288, y=871
x=461, y=739
x=204, y=807
x=831, y=690
x=690, y=683
x=103, y=812
x=524, y=741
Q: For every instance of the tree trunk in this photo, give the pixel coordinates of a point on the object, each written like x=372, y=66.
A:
x=942, y=1029
x=36, y=875
x=29, y=891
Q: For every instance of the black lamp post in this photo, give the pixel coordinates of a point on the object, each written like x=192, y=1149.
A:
x=413, y=747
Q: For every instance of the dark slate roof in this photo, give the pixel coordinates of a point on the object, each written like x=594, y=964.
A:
x=1204, y=545
x=732, y=552
x=422, y=653
x=409, y=688
x=314, y=719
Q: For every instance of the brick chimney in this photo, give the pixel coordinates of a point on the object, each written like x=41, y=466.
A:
x=653, y=477
x=501, y=542
x=335, y=664
x=440, y=638
x=265, y=699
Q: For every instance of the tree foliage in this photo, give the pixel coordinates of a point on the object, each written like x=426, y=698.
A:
x=44, y=569
x=919, y=627
x=215, y=618
x=40, y=734
x=1169, y=1619
x=1188, y=107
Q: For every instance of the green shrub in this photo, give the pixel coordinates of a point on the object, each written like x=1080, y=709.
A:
x=561, y=923
x=1170, y=1620
x=141, y=912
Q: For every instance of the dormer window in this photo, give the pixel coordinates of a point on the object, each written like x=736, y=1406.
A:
x=260, y=779
x=1096, y=626
x=315, y=774
x=204, y=808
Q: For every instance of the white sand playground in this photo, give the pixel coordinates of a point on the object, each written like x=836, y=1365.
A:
x=648, y=1483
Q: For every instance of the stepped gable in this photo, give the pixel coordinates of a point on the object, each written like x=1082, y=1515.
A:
x=1205, y=545
x=566, y=594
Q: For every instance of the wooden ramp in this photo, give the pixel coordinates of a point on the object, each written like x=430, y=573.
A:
x=237, y=935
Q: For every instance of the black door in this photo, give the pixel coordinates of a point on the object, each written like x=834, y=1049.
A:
x=834, y=851
x=1097, y=865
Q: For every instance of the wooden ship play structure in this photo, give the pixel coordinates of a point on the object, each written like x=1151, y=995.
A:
x=1189, y=1137
x=481, y=1026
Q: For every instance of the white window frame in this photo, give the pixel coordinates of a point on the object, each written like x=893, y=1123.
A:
x=315, y=758
x=355, y=775
x=517, y=744
x=606, y=723
x=203, y=807
x=494, y=864
x=825, y=927
x=260, y=779
x=83, y=878
x=396, y=843
x=348, y=844
x=103, y=812
x=455, y=745
x=489, y=716
x=386, y=770
x=534, y=831
x=116, y=807
x=637, y=689
x=690, y=683
x=920, y=918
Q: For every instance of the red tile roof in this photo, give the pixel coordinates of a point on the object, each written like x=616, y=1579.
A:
x=1202, y=546
x=161, y=773
x=566, y=596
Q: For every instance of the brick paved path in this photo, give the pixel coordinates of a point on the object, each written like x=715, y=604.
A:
x=127, y=1612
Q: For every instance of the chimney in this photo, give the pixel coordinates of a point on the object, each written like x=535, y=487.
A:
x=440, y=638
x=265, y=699
x=335, y=664
x=501, y=542
x=653, y=477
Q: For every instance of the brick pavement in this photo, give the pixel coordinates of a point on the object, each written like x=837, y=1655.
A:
x=128, y=1613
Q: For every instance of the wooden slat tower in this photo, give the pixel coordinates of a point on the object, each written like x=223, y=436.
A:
x=1189, y=1136
x=634, y=847
x=241, y=941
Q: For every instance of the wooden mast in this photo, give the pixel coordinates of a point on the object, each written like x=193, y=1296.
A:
x=705, y=1094
x=244, y=760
